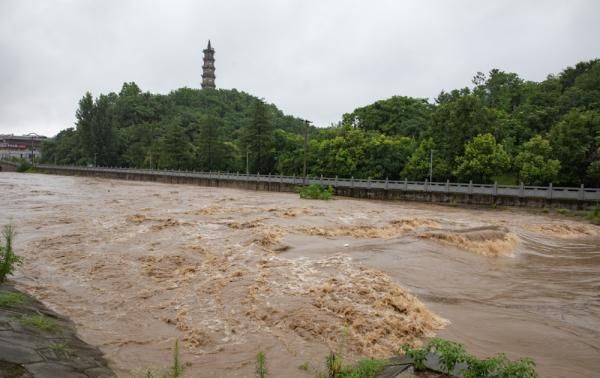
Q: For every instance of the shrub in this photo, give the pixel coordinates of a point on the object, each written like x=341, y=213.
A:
x=450, y=354
x=8, y=259
x=594, y=214
x=316, y=191
x=23, y=166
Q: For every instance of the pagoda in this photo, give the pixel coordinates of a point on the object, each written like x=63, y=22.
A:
x=208, y=68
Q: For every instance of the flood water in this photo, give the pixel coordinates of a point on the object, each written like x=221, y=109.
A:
x=229, y=272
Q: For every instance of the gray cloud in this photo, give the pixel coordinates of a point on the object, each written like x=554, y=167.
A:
x=313, y=59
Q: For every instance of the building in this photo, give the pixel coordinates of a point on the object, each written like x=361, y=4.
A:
x=208, y=68
x=21, y=146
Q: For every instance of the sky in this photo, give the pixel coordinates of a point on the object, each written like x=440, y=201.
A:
x=313, y=59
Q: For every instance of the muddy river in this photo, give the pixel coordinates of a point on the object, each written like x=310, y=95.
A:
x=229, y=273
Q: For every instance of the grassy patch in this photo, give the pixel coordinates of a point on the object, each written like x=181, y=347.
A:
x=365, y=368
x=41, y=322
x=316, y=191
x=61, y=348
x=11, y=298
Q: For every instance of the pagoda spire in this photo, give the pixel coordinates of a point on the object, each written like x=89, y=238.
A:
x=208, y=68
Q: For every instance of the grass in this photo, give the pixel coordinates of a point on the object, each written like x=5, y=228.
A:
x=11, y=298
x=316, y=191
x=41, y=322
x=304, y=367
x=261, y=370
x=365, y=368
x=174, y=371
x=61, y=348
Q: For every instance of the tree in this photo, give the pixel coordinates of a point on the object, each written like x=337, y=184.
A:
x=84, y=116
x=211, y=149
x=572, y=140
x=534, y=162
x=258, y=138
x=483, y=159
x=417, y=167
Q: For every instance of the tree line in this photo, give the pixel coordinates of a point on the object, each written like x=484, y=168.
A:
x=501, y=128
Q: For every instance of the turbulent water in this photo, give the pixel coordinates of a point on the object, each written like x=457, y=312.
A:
x=229, y=272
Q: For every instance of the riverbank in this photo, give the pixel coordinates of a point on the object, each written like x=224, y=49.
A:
x=37, y=342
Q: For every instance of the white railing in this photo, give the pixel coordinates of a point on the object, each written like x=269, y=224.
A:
x=521, y=191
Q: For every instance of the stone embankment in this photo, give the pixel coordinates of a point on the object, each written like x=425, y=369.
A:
x=37, y=342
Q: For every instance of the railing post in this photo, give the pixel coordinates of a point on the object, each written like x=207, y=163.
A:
x=405, y=184
x=521, y=190
x=335, y=183
x=352, y=182
x=447, y=185
x=369, y=182
x=321, y=180
x=550, y=191
x=386, y=183
x=470, y=187
x=294, y=179
x=495, y=188
x=581, y=193
x=426, y=185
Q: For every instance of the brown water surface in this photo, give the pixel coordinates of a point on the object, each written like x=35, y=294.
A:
x=230, y=272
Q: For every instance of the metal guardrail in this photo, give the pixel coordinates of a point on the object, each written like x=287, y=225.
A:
x=521, y=191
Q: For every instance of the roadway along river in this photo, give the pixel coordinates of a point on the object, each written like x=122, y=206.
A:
x=230, y=272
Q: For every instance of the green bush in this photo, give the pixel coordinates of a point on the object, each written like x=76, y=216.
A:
x=316, y=191
x=594, y=214
x=23, y=166
x=451, y=354
x=8, y=259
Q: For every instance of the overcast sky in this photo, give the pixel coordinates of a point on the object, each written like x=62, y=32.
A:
x=313, y=59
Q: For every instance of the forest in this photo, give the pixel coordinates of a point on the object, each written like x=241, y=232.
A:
x=501, y=128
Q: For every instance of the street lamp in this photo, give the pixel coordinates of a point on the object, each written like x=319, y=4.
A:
x=306, y=126
x=32, y=135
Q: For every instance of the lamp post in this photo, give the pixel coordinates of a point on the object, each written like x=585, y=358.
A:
x=306, y=126
x=430, y=165
x=32, y=135
x=247, y=161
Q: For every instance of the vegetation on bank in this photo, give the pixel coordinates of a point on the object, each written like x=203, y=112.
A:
x=453, y=354
x=8, y=259
x=12, y=298
x=501, y=127
x=316, y=191
x=40, y=322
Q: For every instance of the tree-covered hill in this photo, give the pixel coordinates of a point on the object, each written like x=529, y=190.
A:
x=501, y=128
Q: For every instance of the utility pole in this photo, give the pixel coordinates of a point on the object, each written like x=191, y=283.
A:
x=247, y=161
x=431, y=165
x=306, y=125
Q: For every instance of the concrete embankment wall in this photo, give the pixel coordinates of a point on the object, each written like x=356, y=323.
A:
x=253, y=183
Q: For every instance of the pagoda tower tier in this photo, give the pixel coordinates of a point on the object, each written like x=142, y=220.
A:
x=208, y=67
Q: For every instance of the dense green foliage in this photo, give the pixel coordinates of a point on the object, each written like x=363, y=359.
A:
x=452, y=354
x=502, y=128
